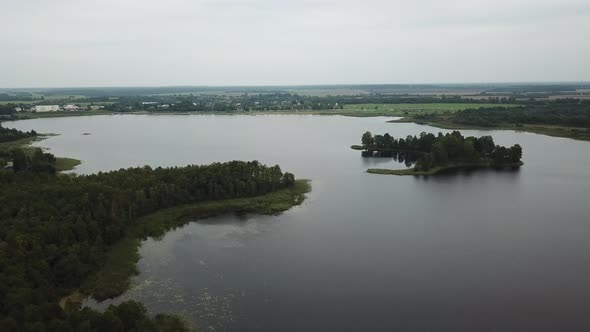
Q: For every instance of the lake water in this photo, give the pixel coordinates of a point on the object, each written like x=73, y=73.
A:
x=479, y=251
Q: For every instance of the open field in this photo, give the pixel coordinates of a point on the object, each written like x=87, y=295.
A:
x=400, y=109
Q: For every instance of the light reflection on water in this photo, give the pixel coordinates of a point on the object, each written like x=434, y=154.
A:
x=475, y=251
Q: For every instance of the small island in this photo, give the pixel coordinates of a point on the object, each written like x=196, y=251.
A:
x=434, y=154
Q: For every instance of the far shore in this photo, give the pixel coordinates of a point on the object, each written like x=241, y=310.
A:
x=555, y=131
x=576, y=133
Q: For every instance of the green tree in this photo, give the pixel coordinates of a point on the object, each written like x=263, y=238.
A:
x=367, y=139
x=515, y=153
x=440, y=155
x=19, y=160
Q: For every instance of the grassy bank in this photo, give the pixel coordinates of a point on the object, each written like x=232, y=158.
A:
x=66, y=164
x=59, y=114
x=114, y=276
x=439, y=169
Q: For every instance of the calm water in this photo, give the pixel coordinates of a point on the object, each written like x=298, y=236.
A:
x=483, y=251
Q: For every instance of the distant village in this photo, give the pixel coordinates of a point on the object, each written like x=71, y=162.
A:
x=59, y=108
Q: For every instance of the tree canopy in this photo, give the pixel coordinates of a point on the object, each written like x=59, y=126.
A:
x=441, y=150
x=55, y=231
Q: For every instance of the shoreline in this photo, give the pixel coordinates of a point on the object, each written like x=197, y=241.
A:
x=114, y=277
x=439, y=169
x=576, y=133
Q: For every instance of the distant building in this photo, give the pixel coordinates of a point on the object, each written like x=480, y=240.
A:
x=46, y=108
x=18, y=109
x=149, y=102
x=96, y=107
x=71, y=108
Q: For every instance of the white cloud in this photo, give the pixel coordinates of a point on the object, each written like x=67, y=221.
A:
x=243, y=42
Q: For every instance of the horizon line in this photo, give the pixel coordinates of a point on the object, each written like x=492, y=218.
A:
x=301, y=85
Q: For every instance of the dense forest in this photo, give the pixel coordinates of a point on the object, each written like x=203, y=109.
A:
x=8, y=135
x=55, y=231
x=7, y=153
x=442, y=150
x=565, y=112
x=37, y=161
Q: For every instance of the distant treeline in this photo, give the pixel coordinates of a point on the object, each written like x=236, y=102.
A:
x=566, y=112
x=55, y=231
x=7, y=111
x=536, y=88
x=16, y=97
x=369, y=88
x=442, y=150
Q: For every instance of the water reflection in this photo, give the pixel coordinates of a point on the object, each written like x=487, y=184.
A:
x=406, y=158
x=509, y=251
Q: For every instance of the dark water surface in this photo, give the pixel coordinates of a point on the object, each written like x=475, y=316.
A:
x=478, y=251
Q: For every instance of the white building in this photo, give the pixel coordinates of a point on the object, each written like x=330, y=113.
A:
x=46, y=108
x=96, y=107
x=71, y=108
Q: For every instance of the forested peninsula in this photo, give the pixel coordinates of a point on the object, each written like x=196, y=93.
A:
x=8, y=135
x=65, y=233
x=16, y=152
x=434, y=154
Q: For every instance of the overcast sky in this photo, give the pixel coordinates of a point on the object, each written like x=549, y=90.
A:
x=61, y=43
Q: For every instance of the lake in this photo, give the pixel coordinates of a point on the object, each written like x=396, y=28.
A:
x=473, y=251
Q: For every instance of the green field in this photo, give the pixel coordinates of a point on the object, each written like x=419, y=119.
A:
x=399, y=109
